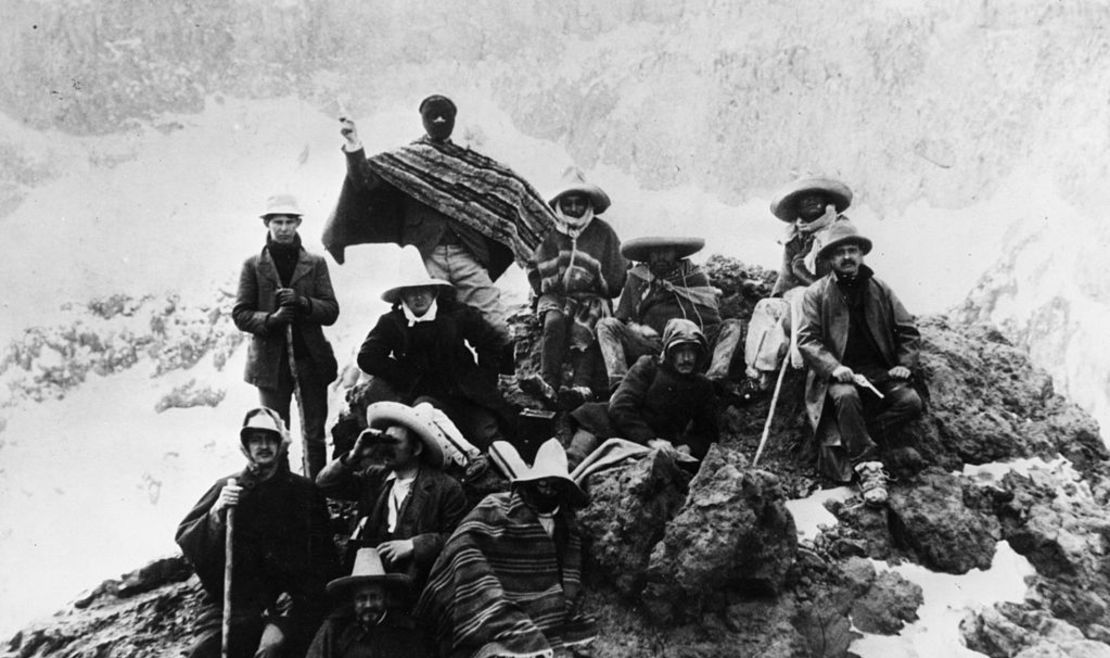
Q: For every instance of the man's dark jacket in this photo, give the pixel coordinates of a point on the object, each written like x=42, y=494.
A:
x=258, y=283
x=396, y=636
x=656, y=401
x=282, y=544
x=446, y=369
x=435, y=505
x=823, y=335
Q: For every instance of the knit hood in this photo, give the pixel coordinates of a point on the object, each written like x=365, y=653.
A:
x=679, y=331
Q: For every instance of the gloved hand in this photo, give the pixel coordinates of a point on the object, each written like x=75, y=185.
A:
x=396, y=551
x=285, y=296
x=843, y=374
x=283, y=316
x=349, y=133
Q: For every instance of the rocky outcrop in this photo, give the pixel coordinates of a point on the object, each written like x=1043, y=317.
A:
x=1007, y=630
x=930, y=518
x=733, y=534
x=648, y=494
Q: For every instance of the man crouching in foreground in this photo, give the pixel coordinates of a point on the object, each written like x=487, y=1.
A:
x=508, y=582
x=282, y=551
x=367, y=623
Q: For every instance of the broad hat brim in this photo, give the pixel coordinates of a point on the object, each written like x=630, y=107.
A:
x=282, y=210
x=598, y=198
x=392, y=295
x=395, y=413
x=397, y=581
x=639, y=248
x=576, y=497
x=783, y=204
x=864, y=245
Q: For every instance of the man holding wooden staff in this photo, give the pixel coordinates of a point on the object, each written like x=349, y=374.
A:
x=281, y=547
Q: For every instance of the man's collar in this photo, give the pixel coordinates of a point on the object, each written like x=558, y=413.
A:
x=429, y=315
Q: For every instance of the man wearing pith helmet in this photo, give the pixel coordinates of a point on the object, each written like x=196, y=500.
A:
x=368, y=621
x=861, y=346
x=283, y=287
x=282, y=550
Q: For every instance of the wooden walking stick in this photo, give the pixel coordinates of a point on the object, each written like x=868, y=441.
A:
x=225, y=622
x=299, y=398
x=770, y=412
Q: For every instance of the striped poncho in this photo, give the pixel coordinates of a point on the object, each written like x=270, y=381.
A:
x=502, y=588
x=465, y=185
x=578, y=275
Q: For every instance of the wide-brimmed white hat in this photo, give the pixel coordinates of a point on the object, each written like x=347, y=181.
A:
x=782, y=205
x=382, y=414
x=368, y=569
x=282, y=204
x=551, y=462
x=412, y=274
x=574, y=181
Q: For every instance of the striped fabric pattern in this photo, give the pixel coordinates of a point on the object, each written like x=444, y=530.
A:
x=474, y=189
x=497, y=588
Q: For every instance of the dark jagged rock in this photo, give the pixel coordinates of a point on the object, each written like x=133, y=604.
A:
x=734, y=533
x=1058, y=525
x=648, y=494
x=889, y=603
x=930, y=518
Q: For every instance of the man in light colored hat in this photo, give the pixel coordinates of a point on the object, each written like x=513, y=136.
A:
x=509, y=580
x=417, y=352
x=407, y=505
x=468, y=215
x=665, y=401
x=575, y=273
x=664, y=285
x=369, y=623
x=861, y=346
x=284, y=286
x=282, y=550
x=810, y=206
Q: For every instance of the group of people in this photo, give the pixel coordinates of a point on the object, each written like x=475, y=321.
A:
x=430, y=573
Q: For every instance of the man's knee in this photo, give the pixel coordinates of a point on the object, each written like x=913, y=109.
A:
x=905, y=399
x=844, y=394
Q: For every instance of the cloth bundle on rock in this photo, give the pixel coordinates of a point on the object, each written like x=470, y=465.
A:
x=477, y=191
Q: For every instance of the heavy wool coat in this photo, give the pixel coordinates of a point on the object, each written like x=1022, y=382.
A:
x=398, y=635
x=449, y=369
x=255, y=300
x=428, y=516
x=282, y=544
x=823, y=335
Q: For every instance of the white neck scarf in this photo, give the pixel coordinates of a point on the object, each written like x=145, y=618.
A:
x=429, y=315
x=573, y=226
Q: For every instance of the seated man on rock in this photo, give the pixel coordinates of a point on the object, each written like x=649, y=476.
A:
x=811, y=206
x=368, y=623
x=861, y=346
x=407, y=505
x=664, y=402
x=509, y=580
x=575, y=272
x=664, y=285
x=418, y=352
x=282, y=550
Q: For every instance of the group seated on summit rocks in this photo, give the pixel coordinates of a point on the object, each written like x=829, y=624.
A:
x=463, y=540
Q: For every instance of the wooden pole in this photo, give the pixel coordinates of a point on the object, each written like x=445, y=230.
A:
x=225, y=625
x=299, y=398
x=771, y=412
